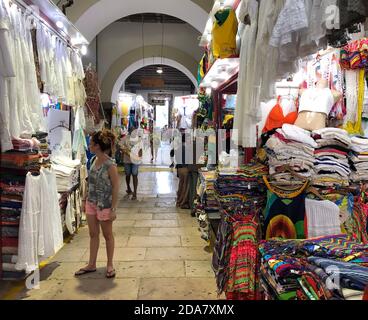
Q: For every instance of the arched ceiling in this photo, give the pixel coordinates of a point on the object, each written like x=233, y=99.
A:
x=119, y=84
x=130, y=33
x=80, y=7
x=119, y=50
x=95, y=16
x=170, y=79
x=128, y=63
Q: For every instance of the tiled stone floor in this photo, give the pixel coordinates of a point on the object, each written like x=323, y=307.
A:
x=159, y=253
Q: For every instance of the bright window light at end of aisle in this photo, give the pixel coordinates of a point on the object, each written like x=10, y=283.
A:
x=159, y=71
x=84, y=50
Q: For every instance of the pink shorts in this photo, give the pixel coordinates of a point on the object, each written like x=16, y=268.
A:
x=93, y=210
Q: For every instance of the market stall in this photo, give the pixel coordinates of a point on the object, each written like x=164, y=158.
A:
x=298, y=206
x=42, y=121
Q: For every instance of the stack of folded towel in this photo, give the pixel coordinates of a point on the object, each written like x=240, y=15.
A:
x=359, y=159
x=331, y=166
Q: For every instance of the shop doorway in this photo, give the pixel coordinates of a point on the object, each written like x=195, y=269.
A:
x=163, y=106
x=162, y=115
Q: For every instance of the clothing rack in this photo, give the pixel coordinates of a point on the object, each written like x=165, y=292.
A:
x=44, y=20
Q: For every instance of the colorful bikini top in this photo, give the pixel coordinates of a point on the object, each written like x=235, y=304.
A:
x=276, y=117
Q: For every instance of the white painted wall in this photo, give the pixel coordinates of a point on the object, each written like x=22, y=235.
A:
x=121, y=37
x=91, y=56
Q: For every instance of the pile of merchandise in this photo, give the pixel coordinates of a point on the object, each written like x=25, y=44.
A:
x=304, y=270
x=43, y=146
x=206, y=190
x=359, y=159
x=241, y=195
x=291, y=146
x=331, y=166
x=239, y=190
x=207, y=202
x=67, y=173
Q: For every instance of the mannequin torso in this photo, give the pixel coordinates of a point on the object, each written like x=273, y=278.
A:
x=315, y=106
x=311, y=120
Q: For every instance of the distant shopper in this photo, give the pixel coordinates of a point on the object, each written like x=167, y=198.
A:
x=151, y=129
x=156, y=143
x=102, y=199
x=132, y=148
x=182, y=200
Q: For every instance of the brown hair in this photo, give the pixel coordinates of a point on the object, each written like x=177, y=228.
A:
x=106, y=139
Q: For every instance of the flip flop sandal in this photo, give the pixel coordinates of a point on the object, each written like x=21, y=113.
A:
x=84, y=271
x=110, y=274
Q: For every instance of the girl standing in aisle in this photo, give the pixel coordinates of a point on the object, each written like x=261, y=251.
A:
x=102, y=199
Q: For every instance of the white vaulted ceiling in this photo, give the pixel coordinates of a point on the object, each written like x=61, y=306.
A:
x=120, y=48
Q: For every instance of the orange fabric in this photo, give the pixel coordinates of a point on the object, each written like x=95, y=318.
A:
x=276, y=117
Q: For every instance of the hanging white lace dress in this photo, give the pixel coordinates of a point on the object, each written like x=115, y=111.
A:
x=28, y=241
x=50, y=211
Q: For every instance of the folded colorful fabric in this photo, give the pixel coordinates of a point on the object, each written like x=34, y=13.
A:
x=352, y=276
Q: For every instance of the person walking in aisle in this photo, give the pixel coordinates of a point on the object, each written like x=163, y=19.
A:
x=102, y=199
x=182, y=200
x=156, y=144
x=151, y=124
x=133, y=152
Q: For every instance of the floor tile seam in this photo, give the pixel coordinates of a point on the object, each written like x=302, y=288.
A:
x=139, y=288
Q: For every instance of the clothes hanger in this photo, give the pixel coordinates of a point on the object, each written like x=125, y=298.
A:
x=61, y=125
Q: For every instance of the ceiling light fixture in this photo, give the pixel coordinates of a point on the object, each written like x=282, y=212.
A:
x=159, y=71
x=60, y=25
x=84, y=50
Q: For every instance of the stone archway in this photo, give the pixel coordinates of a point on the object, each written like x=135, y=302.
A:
x=151, y=61
x=123, y=67
x=102, y=13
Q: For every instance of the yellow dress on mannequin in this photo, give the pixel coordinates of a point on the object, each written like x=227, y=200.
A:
x=224, y=33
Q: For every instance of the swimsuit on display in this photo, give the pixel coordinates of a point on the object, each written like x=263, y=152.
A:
x=276, y=117
x=317, y=100
x=285, y=214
